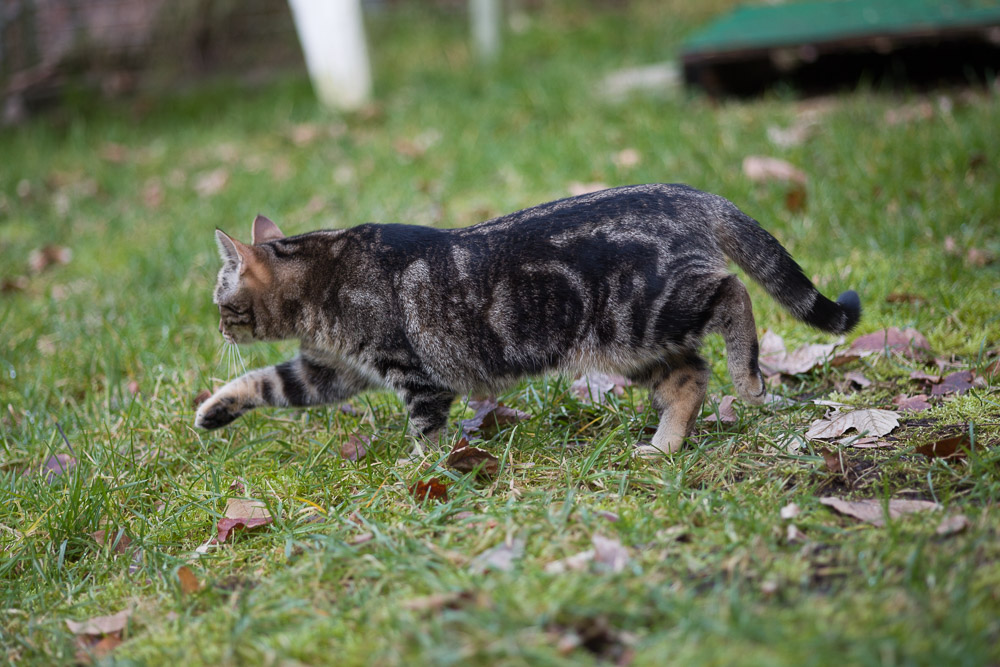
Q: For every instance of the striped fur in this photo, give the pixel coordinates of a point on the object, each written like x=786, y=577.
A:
x=627, y=280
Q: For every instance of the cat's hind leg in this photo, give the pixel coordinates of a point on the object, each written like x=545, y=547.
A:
x=733, y=318
x=677, y=389
x=299, y=382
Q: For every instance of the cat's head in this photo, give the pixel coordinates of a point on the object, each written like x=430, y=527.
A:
x=249, y=287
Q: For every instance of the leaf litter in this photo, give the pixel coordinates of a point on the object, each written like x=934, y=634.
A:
x=873, y=510
x=872, y=422
x=466, y=458
x=242, y=513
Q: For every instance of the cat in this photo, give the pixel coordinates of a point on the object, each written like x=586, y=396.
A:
x=625, y=280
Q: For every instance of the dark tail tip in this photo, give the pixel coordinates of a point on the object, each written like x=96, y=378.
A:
x=850, y=305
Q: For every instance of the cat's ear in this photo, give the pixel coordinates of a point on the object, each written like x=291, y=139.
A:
x=264, y=230
x=230, y=250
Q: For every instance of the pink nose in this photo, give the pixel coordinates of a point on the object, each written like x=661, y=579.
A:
x=220, y=325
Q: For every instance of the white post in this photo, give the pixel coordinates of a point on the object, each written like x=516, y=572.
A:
x=332, y=35
x=485, y=18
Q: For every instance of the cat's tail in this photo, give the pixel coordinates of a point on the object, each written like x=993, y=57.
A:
x=766, y=261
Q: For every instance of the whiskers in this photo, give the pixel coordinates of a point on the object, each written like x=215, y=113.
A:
x=233, y=360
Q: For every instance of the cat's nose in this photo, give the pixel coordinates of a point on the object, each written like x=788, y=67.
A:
x=220, y=325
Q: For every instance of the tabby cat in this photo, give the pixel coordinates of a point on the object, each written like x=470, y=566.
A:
x=626, y=280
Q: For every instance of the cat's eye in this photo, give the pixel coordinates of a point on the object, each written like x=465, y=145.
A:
x=230, y=310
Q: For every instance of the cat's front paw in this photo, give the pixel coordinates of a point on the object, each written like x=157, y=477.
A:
x=216, y=412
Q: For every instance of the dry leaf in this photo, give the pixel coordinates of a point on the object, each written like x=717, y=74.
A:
x=793, y=534
x=910, y=343
x=795, y=199
x=189, y=581
x=356, y=447
x=905, y=297
x=575, y=563
x=500, y=557
x=922, y=376
x=242, y=513
x=119, y=544
x=610, y=553
x=775, y=359
x=464, y=458
x=432, y=489
x=911, y=403
x=762, y=169
x=577, y=188
x=857, y=378
x=100, y=625
x=594, y=387
x=363, y=538
x=46, y=256
x=955, y=447
x=55, y=466
x=15, y=284
x=958, y=382
x=490, y=417
x=834, y=463
x=726, y=414
x=114, y=152
x=950, y=525
x=440, y=601
x=872, y=510
x=211, y=183
x=627, y=158
x=871, y=422
x=789, y=511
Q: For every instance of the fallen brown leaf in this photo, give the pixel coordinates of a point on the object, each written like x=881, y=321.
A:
x=355, y=447
x=100, y=625
x=467, y=459
x=775, y=359
x=610, y=553
x=577, y=188
x=858, y=379
x=866, y=422
x=242, y=513
x=795, y=199
x=832, y=460
x=56, y=466
x=726, y=414
x=955, y=447
x=211, y=183
x=500, y=557
x=15, y=284
x=114, y=153
x=490, y=416
x=905, y=297
x=950, y=525
x=911, y=403
x=627, y=158
x=789, y=511
x=595, y=387
x=441, y=601
x=958, y=382
x=431, y=489
x=119, y=543
x=910, y=343
x=46, y=256
x=873, y=510
x=763, y=169
x=923, y=376
x=189, y=581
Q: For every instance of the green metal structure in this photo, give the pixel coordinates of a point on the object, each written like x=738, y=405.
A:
x=754, y=46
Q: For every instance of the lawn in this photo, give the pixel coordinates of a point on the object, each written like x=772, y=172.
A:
x=108, y=337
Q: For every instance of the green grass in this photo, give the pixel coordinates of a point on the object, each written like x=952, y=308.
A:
x=712, y=577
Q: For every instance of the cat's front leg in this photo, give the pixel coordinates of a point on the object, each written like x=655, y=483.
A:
x=428, y=407
x=300, y=382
